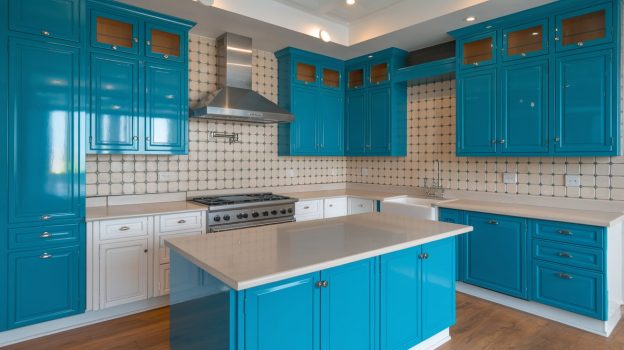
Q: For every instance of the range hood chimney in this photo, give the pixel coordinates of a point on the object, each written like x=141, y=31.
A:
x=235, y=100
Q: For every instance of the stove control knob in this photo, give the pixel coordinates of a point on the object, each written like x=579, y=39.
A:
x=226, y=217
x=283, y=211
x=290, y=210
x=245, y=215
x=274, y=212
x=265, y=213
x=255, y=215
x=239, y=216
x=217, y=218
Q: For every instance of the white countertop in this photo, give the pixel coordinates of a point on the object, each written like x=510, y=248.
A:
x=576, y=216
x=372, y=195
x=133, y=210
x=251, y=257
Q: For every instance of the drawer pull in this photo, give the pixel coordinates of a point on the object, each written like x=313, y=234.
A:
x=565, y=255
x=564, y=276
x=361, y=205
x=182, y=221
x=45, y=235
x=331, y=205
x=124, y=228
x=45, y=256
x=306, y=207
x=565, y=232
x=493, y=222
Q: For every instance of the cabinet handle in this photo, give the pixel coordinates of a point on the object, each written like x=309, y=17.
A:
x=565, y=255
x=114, y=47
x=557, y=139
x=322, y=284
x=493, y=142
x=45, y=256
x=556, y=38
x=148, y=43
x=45, y=235
x=493, y=222
x=46, y=217
x=565, y=232
x=331, y=205
x=45, y=33
x=182, y=222
x=564, y=276
x=580, y=43
x=502, y=142
x=423, y=256
x=476, y=64
x=306, y=207
x=124, y=228
x=325, y=284
x=361, y=205
x=136, y=40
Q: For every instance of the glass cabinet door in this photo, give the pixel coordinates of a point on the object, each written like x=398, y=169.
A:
x=356, y=78
x=479, y=51
x=165, y=44
x=331, y=78
x=584, y=28
x=525, y=41
x=114, y=32
x=379, y=73
x=305, y=73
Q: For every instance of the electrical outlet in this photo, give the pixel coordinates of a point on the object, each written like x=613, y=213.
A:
x=166, y=176
x=364, y=172
x=291, y=173
x=510, y=178
x=573, y=180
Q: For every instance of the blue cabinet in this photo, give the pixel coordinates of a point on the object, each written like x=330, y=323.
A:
x=477, y=51
x=166, y=42
x=356, y=130
x=114, y=31
x=455, y=217
x=348, y=306
x=44, y=124
x=304, y=128
x=59, y=19
x=476, y=112
x=438, y=286
x=44, y=284
x=585, y=27
x=379, y=120
x=495, y=253
x=331, y=123
x=585, y=121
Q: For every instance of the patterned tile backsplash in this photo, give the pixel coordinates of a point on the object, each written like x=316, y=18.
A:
x=215, y=164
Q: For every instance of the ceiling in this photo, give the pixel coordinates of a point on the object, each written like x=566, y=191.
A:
x=368, y=26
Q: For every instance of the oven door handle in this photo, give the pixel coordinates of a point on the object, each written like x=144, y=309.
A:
x=244, y=225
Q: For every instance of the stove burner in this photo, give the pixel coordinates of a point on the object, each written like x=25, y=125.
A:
x=238, y=199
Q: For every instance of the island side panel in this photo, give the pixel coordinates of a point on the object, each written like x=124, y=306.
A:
x=203, y=309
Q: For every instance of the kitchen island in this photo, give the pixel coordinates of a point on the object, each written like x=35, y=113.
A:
x=369, y=281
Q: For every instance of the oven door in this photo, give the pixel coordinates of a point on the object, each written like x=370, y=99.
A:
x=229, y=227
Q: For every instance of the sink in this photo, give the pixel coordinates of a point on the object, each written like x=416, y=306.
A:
x=421, y=208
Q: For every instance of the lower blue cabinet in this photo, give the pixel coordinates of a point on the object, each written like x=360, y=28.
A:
x=438, y=286
x=495, y=253
x=455, y=217
x=44, y=284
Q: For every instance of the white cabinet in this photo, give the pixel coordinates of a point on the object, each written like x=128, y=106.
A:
x=335, y=207
x=309, y=210
x=360, y=206
x=123, y=272
x=163, y=278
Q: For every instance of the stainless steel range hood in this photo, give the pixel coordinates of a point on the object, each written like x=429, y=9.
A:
x=235, y=100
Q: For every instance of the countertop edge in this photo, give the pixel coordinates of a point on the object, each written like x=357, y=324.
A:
x=242, y=285
x=148, y=213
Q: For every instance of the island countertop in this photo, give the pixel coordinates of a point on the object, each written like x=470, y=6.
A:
x=251, y=257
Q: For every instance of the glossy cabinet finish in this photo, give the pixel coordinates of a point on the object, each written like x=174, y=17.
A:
x=495, y=254
x=305, y=73
x=438, y=289
x=356, y=130
x=478, y=51
x=58, y=19
x=166, y=42
x=331, y=123
x=584, y=28
x=305, y=125
x=44, y=284
x=455, y=217
x=113, y=31
x=44, y=181
x=114, y=122
x=476, y=110
x=331, y=78
x=526, y=40
x=379, y=121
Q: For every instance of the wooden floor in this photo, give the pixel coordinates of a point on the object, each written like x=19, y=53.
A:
x=481, y=325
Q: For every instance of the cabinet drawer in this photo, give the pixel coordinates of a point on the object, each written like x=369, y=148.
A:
x=569, y=233
x=309, y=210
x=181, y=222
x=123, y=228
x=572, y=255
x=335, y=207
x=43, y=236
x=570, y=288
x=360, y=206
x=162, y=251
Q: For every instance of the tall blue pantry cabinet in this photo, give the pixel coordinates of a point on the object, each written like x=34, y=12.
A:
x=56, y=76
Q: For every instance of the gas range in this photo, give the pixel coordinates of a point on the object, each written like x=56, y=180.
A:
x=231, y=212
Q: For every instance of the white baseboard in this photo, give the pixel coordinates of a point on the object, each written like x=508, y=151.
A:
x=91, y=317
x=603, y=328
x=434, y=341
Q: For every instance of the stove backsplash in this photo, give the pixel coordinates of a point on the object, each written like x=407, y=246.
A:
x=254, y=163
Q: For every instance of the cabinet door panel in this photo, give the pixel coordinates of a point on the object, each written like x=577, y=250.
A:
x=525, y=108
x=379, y=121
x=44, y=129
x=283, y=315
x=114, y=32
x=476, y=113
x=348, y=306
x=478, y=51
x=356, y=123
x=44, y=285
x=166, y=109
x=495, y=254
x=331, y=130
x=438, y=286
x=583, y=28
x=584, y=117
x=400, y=299
x=166, y=43
x=305, y=126
x=123, y=272
x=114, y=104
x=58, y=19
x=455, y=217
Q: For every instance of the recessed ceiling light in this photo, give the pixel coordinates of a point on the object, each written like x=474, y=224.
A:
x=324, y=35
x=470, y=19
x=350, y=2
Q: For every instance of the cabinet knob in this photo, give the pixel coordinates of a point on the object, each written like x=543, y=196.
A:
x=556, y=38
x=45, y=235
x=148, y=43
x=523, y=54
x=114, y=47
x=423, y=256
x=148, y=138
x=182, y=222
x=492, y=222
x=45, y=33
x=124, y=228
x=46, y=217
x=565, y=255
x=322, y=284
x=476, y=64
x=135, y=138
x=136, y=40
x=557, y=139
x=502, y=142
x=564, y=276
x=580, y=43
x=331, y=205
x=493, y=141
x=145, y=251
x=45, y=256
x=166, y=56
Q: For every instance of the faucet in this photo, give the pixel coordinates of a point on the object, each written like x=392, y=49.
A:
x=436, y=189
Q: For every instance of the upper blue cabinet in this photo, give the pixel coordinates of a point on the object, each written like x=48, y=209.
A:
x=542, y=82
x=58, y=19
x=139, y=81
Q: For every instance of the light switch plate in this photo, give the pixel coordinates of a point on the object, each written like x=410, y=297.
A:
x=573, y=180
x=510, y=178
